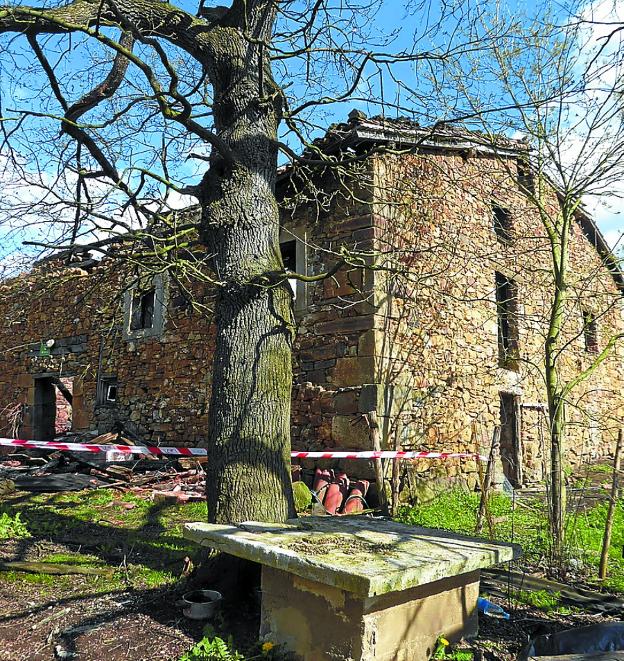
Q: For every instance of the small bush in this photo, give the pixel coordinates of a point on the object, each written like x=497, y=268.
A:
x=212, y=650
x=12, y=527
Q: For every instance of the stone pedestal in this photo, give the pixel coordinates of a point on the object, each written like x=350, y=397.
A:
x=359, y=589
x=320, y=622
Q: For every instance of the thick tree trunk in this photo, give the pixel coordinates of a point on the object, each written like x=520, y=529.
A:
x=248, y=473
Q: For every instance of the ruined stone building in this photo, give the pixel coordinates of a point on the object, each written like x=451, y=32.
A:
x=442, y=334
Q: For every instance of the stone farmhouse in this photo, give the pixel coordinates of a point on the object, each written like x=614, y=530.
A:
x=441, y=335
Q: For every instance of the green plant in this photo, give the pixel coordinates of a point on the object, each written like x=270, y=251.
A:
x=12, y=527
x=460, y=655
x=302, y=496
x=209, y=650
x=441, y=651
x=546, y=601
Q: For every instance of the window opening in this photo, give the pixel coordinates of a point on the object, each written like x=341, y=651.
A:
x=526, y=180
x=502, y=223
x=590, y=332
x=510, y=448
x=111, y=393
x=143, y=310
x=507, y=317
x=107, y=391
x=289, y=257
x=293, y=251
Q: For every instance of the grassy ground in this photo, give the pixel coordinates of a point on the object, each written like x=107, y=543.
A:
x=139, y=540
x=524, y=521
x=138, y=548
x=141, y=557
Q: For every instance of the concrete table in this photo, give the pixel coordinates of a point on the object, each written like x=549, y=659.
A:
x=356, y=588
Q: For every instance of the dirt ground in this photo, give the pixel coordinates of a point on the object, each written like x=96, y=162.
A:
x=130, y=610
x=65, y=620
x=72, y=617
x=503, y=640
x=124, y=625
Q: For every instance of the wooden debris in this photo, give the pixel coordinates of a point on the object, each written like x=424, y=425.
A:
x=52, y=568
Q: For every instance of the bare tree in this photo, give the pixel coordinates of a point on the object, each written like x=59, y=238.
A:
x=565, y=85
x=158, y=107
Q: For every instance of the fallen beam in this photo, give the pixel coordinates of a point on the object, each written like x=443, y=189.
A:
x=53, y=568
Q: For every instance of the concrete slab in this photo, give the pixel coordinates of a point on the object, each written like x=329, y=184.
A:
x=360, y=555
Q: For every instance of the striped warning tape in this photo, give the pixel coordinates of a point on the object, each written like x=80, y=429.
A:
x=202, y=452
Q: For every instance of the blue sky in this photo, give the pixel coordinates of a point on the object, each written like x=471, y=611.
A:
x=390, y=19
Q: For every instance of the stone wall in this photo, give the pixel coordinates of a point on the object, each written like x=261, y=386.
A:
x=163, y=379
x=414, y=339
x=437, y=339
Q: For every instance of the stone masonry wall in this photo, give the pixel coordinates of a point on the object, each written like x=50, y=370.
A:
x=415, y=339
x=163, y=379
x=437, y=343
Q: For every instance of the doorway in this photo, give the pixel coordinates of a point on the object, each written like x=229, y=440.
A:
x=52, y=413
x=510, y=446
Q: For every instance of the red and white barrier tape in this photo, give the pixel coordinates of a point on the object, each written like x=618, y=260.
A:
x=386, y=454
x=202, y=452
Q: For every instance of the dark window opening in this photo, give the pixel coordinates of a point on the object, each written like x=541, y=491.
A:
x=289, y=255
x=590, y=332
x=526, y=179
x=107, y=391
x=502, y=223
x=111, y=393
x=143, y=310
x=507, y=316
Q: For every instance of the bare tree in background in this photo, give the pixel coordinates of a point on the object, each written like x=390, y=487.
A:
x=566, y=83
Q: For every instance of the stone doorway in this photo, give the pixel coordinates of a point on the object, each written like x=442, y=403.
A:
x=52, y=411
x=510, y=448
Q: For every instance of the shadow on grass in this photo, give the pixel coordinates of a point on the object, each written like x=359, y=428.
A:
x=138, y=539
x=98, y=523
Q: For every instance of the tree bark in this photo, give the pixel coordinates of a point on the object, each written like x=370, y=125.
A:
x=615, y=492
x=248, y=469
x=554, y=388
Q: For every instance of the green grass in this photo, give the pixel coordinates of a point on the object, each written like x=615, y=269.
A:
x=12, y=526
x=526, y=524
x=23, y=577
x=549, y=602
x=457, y=511
x=143, y=544
x=600, y=468
x=78, y=559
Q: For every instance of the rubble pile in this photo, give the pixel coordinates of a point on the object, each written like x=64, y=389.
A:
x=47, y=471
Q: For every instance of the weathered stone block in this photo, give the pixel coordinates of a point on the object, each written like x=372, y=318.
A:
x=352, y=432
x=345, y=325
x=346, y=402
x=353, y=371
x=366, y=344
x=369, y=398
